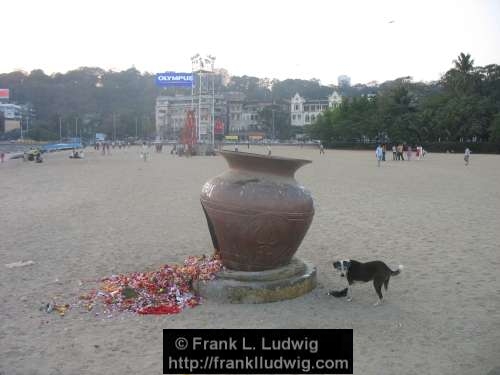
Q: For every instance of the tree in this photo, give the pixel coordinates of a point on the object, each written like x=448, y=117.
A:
x=464, y=63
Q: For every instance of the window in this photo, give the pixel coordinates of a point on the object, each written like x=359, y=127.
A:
x=299, y=117
x=307, y=118
x=296, y=107
x=294, y=117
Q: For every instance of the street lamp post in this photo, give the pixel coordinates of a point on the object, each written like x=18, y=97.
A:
x=212, y=62
x=273, y=124
x=114, y=128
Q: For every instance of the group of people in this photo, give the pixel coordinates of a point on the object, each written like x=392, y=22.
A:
x=104, y=146
x=34, y=154
x=398, y=152
x=75, y=154
x=268, y=148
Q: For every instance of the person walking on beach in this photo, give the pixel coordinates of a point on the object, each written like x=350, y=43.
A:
x=379, y=154
x=321, y=149
x=2, y=156
x=400, y=152
x=394, y=152
x=383, y=151
x=268, y=150
x=467, y=155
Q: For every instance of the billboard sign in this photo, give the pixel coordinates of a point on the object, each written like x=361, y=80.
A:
x=100, y=137
x=4, y=93
x=173, y=79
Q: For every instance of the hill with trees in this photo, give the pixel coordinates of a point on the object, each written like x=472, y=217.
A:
x=463, y=106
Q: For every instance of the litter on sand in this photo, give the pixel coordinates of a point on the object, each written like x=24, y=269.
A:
x=167, y=290
x=21, y=263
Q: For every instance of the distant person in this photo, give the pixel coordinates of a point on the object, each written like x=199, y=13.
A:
x=2, y=157
x=467, y=155
x=383, y=152
x=144, y=152
x=379, y=154
x=268, y=150
x=408, y=153
x=400, y=152
x=321, y=149
x=235, y=147
x=248, y=144
x=394, y=153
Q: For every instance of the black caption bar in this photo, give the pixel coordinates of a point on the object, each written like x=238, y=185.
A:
x=247, y=351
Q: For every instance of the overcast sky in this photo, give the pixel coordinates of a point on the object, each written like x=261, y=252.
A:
x=366, y=40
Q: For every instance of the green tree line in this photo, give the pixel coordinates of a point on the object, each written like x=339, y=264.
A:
x=121, y=104
x=464, y=106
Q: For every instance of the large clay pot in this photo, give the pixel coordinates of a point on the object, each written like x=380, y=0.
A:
x=257, y=213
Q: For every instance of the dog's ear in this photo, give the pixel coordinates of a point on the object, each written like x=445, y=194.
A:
x=336, y=264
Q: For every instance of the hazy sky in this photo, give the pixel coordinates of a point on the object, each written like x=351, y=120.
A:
x=263, y=38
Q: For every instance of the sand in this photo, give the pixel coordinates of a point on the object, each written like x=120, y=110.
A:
x=86, y=219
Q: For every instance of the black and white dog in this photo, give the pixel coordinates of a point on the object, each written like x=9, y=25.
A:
x=356, y=271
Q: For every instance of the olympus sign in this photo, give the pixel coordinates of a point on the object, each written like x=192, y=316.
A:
x=174, y=79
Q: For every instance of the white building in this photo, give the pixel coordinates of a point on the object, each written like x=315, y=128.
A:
x=305, y=112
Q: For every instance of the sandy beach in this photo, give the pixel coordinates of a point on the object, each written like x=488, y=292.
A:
x=86, y=219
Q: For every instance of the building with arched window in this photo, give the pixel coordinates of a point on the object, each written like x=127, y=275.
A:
x=305, y=112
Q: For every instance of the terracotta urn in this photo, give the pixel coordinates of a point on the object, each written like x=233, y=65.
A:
x=256, y=211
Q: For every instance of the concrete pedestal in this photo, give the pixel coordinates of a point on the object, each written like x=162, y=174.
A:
x=291, y=281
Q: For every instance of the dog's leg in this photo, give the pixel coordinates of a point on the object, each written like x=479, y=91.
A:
x=377, y=284
x=349, y=293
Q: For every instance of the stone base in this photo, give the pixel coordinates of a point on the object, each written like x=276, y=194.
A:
x=291, y=281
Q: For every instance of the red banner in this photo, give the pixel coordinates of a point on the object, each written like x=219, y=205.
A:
x=4, y=94
x=219, y=127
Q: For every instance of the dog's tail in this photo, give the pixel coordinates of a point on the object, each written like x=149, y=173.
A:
x=398, y=271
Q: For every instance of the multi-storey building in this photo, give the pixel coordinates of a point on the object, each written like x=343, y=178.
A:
x=228, y=108
x=304, y=112
x=171, y=112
